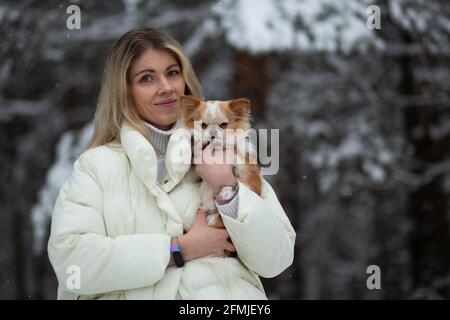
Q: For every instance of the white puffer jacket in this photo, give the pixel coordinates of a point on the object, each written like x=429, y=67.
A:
x=114, y=222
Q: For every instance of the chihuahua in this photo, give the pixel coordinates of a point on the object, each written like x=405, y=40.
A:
x=224, y=125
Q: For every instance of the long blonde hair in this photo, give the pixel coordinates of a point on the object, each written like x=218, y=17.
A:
x=115, y=102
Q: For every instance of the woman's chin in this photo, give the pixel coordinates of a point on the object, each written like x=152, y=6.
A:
x=166, y=125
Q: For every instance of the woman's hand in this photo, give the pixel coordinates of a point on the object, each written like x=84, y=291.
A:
x=203, y=240
x=216, y=167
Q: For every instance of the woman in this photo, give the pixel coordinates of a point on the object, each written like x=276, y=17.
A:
x=119, y=220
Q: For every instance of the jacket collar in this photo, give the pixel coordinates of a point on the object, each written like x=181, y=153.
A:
x=143, y=159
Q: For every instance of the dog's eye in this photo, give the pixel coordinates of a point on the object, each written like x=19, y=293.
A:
x=223, y=125
x=204, y=125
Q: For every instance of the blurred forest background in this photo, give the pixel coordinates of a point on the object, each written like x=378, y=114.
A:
x=364, y=119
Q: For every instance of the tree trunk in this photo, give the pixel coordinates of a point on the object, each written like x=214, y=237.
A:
x=428, y=211
x=251, y=80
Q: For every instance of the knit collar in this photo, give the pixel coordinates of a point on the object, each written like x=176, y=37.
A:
x=160, y=138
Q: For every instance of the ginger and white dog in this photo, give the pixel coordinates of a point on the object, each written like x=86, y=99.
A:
x=224, y=124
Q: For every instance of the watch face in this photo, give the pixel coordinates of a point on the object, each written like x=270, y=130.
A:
x=226, y=193
x=178, y=258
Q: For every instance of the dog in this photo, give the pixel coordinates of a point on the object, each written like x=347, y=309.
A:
x=223, y=124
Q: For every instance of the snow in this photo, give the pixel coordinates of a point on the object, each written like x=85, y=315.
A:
x=375, y=172
x=385, y=157
x=327, y=180
x=131, y=6
x=436, y=132
x=350, y=147
x=410, y=17
x=11, y=108
x=207, y=29
x=446, y=184
x=2, y=12
x=317, y=128
x=295, y=25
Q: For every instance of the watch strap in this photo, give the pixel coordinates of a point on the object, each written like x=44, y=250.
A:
x=175, y=250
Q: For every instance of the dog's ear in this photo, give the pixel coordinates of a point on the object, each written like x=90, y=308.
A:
x=189, y=105
x=241, y=108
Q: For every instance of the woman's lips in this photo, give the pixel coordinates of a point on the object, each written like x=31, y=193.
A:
x=166, y=103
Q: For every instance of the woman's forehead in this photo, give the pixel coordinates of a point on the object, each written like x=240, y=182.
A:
x=156, y=60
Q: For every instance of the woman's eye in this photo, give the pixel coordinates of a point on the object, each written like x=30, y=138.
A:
x=223, y=125
x=146, y=78
x=204, y=125
x=173, y=73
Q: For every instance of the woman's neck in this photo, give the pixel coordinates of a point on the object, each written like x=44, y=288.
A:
x=159, y=126
x=168, y=129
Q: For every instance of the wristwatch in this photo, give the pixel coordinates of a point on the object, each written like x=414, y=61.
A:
x=227, y=193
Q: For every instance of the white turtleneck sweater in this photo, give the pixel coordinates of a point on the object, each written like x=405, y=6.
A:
x=160, y=140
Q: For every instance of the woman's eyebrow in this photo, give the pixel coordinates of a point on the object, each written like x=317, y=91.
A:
x=153, y=71
x=172, y=65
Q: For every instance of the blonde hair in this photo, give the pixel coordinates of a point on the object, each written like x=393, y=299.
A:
x=115, y=102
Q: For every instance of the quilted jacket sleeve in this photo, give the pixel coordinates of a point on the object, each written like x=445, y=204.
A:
x=78, y=238
x=262, y=234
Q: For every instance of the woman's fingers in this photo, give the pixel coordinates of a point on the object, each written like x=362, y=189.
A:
x=230, y=247
x=224, y=233
x=201, y=216
x=228, y=244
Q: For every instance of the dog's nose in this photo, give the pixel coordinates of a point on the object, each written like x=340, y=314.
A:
x=213, y=133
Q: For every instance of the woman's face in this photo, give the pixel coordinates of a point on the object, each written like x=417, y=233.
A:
x=156, y=85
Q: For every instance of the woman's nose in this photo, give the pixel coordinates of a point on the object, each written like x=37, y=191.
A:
x=165, y=86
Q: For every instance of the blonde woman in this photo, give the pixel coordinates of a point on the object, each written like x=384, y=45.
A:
x=118, y=225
